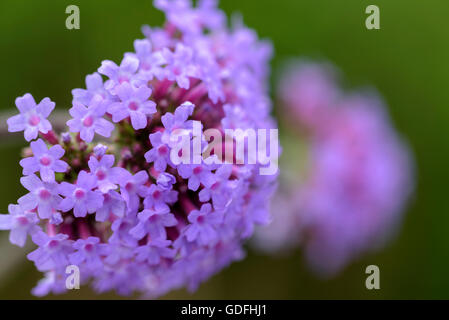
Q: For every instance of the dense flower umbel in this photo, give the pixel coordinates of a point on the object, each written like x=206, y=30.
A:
x=358, y=173
x=122, y=211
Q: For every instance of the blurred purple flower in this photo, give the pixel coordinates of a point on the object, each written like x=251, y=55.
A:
x=114, y=204
x=88, y=253
x=154, y=250
x=20, y=222
x=52, y=251
x=153, y=223
x=203, y=224
x=359, y=173
x=220, y=189
x=179, y=65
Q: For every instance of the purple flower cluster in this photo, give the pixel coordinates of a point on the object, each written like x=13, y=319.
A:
x=359, y=173
x=121, y=210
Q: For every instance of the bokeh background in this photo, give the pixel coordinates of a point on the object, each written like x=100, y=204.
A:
x=407, y=60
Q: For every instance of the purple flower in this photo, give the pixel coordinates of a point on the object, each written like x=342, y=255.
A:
x=162, y=142
x=192, y=21
x=159, y=198
x=119, y=74
x=197, y=174
x=20, y=222
x=258, y=211
x=100, y=150
x=359, y=177
x=153, y=251
x=166, y=181
x=88, y=253
x=279, y=236
x=355, y=210
x=32, y=118
x=43, y=196
x=178, y=120
x=153, y=223
x=53, y=282
x=179, y=65
x=158, y=37
x=53, y=251
x=44, y=160
x=160, y=153
x=66, y=137
x=122, y=236
x=309, y=91
x=212, y=81
x=132, y=188
x=134, y=104
x=94, y=85
x=220, y=191
x=122, y=277
x=203, y=225
x=114, y=204
x=89, y=120
x=55, y=218
x=150, y=63
x=80, y=196
x=107, y=176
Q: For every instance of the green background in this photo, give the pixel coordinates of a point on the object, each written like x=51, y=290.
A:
x=407, y=60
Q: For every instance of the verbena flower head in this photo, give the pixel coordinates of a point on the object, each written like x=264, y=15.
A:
x=358, y=173
x=309, y=92
x=360, y=181
x=121, y=210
